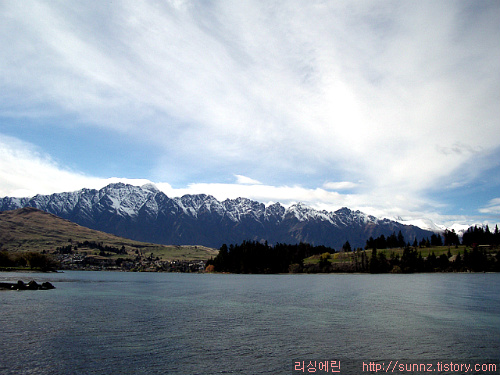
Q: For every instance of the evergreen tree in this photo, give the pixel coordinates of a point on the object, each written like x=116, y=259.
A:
x=383, y=264
x=401, y=240
x=374, y=267
x=443, y=262
x=465, y=262
x=458, y=263
x=324, y=263
x=409, y=262
x=363, y=261
x=450, y=238
x=347, y=247
x=392, y=241
x=370, y=243
x=431, y=262
x=415, y=243
x=381, y=242
x=436, y=240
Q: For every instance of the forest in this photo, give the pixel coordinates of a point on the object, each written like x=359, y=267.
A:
x=480, y=254
x=255, y=257
x=32, y=260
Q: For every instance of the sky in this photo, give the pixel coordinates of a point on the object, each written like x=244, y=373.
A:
x=389, y=107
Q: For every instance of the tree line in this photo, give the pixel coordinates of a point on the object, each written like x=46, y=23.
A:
x=473, y=235
x=482, y=236
x=31, y=260
x=449, y=238
x=103, y=249
x=256, y=257
x=475, y=260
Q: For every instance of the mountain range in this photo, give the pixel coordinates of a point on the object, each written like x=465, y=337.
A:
x=144, y=213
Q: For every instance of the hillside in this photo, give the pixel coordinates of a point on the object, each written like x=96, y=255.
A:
x=29, y=229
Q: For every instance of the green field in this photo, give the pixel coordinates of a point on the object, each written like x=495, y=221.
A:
x=185, y=252
x=425, y=251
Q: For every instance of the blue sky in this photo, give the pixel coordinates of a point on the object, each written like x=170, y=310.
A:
x=390, y=107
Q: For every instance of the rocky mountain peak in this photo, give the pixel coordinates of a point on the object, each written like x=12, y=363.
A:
x=145, y=213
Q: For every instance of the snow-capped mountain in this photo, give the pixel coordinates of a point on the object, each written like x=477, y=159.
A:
x=146, y=214
x=429, y=225
x=426, y=224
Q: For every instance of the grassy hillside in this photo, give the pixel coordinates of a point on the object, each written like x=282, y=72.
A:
x=426, y=251
x=29, y=229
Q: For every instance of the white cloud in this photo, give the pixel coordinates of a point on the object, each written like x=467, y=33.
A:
x=286, y=195
x=399, y=95
x=492, y=208
x=341, y=185
x=26, y=172
x=376, y=87
x=246, y=180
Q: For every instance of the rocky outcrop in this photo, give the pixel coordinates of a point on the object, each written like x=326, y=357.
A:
x=32, y=285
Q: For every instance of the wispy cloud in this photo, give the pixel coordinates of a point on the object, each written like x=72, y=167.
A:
x=399, y=95
x=341, y=185
x=24, y=171
x=246, y=180
x=492, y=208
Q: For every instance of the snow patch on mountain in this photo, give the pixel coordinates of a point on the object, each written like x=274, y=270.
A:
x=302, y=212
x=119, y=207
x=345, y=216
x=426, y=224
x=241, y=208
x=150, y=187
x=128, y=201
x=460, y=229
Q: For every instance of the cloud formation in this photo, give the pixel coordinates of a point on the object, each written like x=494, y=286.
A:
x=246, y=180
x=385, y=101
x=341, y=185
x=25, y=172
x=493, y=207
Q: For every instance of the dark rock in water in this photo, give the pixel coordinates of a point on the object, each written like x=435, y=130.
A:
x=32, y=285
x=6, y=286
x=46, y=286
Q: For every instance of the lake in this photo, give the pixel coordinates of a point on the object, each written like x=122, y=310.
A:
x=167, y=323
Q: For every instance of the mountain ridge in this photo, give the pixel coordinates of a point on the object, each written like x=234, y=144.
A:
x=145, y=213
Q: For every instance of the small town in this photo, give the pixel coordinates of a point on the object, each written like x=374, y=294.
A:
x=82, y=261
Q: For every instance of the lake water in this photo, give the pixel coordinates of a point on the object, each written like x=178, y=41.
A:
x=165, y=323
